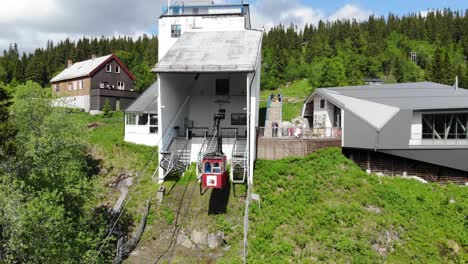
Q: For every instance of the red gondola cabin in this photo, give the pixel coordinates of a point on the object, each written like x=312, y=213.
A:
x=214, y=174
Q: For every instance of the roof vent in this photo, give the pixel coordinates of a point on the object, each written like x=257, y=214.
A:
x=456, y=83
x=93, y=56
x=70, y=63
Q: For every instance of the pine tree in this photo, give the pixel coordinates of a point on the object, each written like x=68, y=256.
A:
x=106, y=109
x=333, y=74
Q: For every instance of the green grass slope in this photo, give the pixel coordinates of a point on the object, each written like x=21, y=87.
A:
x=114, y=156
x=294, y=95
x=323, y=208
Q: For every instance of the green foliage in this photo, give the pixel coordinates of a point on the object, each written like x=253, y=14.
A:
x=376, y=48
x=44, y=63
x=324, y=203
x=45, y=184
x=333, y=74
x=106, y=109
x=7, y=131
x=168, y=215
x=145, y=78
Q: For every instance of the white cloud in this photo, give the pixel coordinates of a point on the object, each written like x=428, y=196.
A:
x=267, y=13
x=350, y=12
x=30, y=23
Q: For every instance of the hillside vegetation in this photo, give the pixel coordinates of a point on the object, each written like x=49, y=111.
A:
x=323, y=208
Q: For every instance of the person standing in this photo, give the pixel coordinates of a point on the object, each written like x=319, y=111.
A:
x=274, y=127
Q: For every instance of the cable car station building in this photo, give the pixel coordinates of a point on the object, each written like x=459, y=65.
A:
x=209, y=62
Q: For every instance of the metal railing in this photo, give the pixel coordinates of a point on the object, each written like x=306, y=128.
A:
x=439, y=139
x=304, y=133
x=178, y=7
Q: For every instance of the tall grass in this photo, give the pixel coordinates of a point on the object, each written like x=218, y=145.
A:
x=323, y=208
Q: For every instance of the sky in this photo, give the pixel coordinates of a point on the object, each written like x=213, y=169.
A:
x=30, y=23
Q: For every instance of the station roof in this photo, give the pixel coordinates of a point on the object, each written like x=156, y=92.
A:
x=147, y=102
x=217, y=51
x=378, y=104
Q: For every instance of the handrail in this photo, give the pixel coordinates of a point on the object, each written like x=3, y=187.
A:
x=204, y=148
x=308, y=133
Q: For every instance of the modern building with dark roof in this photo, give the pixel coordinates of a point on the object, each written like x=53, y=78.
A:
x=89, y=84
x=141, y=118
x=410, y=129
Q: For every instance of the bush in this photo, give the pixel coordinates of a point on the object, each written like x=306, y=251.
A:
x=106, y=109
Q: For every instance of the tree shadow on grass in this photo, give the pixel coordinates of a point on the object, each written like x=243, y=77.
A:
x=94, y=166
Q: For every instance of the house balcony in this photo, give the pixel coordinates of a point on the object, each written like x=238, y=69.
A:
x=114, y=93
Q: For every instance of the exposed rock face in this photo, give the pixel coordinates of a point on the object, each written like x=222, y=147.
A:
x=453, y=246
x=184, y=240
x=215, y=240
x=385, y=242
x=374, y=209
x=199, y=238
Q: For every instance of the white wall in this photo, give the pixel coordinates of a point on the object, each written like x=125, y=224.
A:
x=228, y=144
x=195, y=23
x=81, y=102
x=173, y=92
x=323, y=117
x=416, y=129
x=140, y=135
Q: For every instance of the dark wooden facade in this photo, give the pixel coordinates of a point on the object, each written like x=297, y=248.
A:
x=100, y=95
x=101, y=85
x=377, y=162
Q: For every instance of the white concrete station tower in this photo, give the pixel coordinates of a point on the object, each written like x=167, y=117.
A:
x=209, y=61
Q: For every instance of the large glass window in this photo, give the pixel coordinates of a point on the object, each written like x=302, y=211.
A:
x=143, y=119
x=445, y=126
x=131, y=119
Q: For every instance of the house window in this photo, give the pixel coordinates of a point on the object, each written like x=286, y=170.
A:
x=121, y=85
x=143, y=119
x=337, y=116
x=117, y=69
x=153, y=119
x=56, y=88
x=108, y=68
x=80, y=84
x=131, y=119
x=176, y=31
x=70, y=86
x=222, y=87
x=322, y=103
x=445, y=126
x=195, y=11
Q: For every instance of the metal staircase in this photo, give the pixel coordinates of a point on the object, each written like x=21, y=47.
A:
x=210, y=144
x=239, y=161
x=176, y=158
